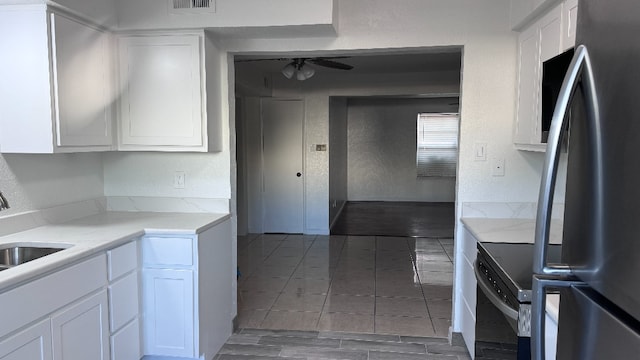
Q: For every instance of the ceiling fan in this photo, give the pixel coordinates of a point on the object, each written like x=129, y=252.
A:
x=297, y=66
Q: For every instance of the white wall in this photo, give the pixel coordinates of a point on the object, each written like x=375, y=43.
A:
x=101, y=11
x=337, y=156
x=272, y=15
x=31, y=182
x=382, y=151
x=151, y=174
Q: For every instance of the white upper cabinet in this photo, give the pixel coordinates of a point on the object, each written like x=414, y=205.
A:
x=82, y=80
x=548, y=36
x=56, y=94
x=550, y=27
x=163, y=93
x=569, y=22
x=527, y=99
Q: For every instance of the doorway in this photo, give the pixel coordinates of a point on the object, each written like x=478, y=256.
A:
x=364, y=284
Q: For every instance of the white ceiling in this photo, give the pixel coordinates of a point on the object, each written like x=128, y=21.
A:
x=437, y=60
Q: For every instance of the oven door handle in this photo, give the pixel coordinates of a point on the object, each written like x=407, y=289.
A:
x=488, y=290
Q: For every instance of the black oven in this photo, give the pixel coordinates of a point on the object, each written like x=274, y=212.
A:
x=503, y=306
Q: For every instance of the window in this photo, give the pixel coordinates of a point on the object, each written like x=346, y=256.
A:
x=437, y=145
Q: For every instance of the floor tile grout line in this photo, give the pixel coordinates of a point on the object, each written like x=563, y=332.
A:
x=424, y=298
x=280, y=292
x=331, y=278
x=270, y=253
x=290, y=276
x=445, y=250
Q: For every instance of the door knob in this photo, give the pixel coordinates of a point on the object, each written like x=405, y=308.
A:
x=298, y=174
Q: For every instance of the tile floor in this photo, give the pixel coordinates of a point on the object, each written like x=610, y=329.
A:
x=361, y=284
x=259, y=344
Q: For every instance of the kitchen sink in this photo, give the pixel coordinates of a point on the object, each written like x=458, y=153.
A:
x=12, y=255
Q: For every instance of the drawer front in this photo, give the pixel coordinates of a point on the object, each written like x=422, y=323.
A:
x=125, y=344
x=123, y=301
x=167, y=251
x=470, y=247
x=50, y=293
x=122, y=260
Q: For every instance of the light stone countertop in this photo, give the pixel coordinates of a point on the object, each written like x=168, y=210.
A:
x=510, y=230
x=93, y=234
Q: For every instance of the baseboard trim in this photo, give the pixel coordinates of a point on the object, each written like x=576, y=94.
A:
x=235, y=325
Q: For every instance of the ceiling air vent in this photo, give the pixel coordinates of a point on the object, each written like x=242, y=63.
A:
x=191, y=6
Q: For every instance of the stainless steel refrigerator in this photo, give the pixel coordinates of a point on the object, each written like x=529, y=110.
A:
x=598, y=115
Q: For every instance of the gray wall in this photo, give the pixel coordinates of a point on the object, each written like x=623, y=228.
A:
x=382, y=151
x=337, y=156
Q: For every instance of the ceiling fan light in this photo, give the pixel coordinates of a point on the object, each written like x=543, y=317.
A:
x=288, y=71
x=305, y=72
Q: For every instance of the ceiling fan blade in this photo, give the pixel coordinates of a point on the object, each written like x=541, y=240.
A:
x=270, y=59
x=330, y=64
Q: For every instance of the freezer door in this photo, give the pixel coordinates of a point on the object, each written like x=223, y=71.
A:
x=601, y=240
x=590, y=327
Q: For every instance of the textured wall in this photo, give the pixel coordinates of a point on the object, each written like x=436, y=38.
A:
x=337, y=156
x=316, y=167
x=153, y=14
x=152, y=174
x=382, y=151
x=33, y=182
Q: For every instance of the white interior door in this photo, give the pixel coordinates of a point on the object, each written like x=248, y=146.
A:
x=282, y=132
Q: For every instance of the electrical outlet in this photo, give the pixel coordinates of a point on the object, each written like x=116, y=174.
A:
x=179, y=180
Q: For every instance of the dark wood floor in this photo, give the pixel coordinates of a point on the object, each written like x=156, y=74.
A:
x=387, y=218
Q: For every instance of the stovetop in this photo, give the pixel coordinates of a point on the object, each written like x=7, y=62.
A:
x=513, y=264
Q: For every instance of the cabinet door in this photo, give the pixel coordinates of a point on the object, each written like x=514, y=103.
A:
x=33, y=343
x=528, y=85
x=168, y=305
x=550, y=34
x=81, y=331
x=82, y=83
x=569, y=22
x=161, y=102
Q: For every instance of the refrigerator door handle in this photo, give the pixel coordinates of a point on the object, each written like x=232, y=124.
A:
x=538, y=310
x=579, y=70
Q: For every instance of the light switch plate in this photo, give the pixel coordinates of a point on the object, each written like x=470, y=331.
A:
x=480, y=152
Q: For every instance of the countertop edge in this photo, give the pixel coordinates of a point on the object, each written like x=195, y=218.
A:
x=79, y=252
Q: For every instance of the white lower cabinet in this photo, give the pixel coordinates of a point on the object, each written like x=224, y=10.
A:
x=124, y=305
x=150, y=298
x=33, y=343
x=81, y=331
x=125, y=344
x=168, y=305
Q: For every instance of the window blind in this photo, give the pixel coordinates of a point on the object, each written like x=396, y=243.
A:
x=437, y=145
